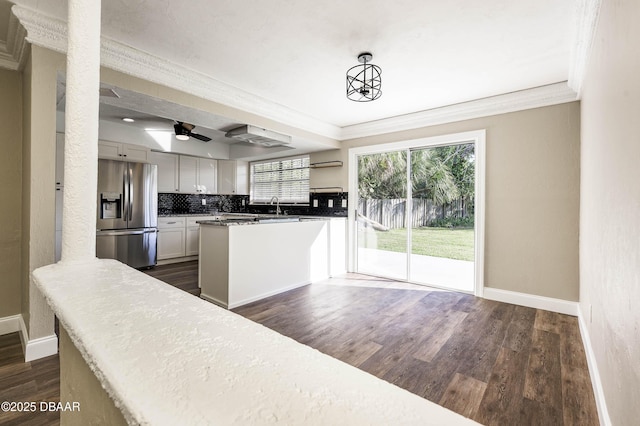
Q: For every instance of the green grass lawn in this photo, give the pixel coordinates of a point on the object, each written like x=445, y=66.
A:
x=438, y=242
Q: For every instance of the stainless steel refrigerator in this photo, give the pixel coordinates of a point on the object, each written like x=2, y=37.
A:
x=127, y=218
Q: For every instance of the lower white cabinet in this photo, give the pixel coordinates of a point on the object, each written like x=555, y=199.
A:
x=193, y=236
x=178, y=236
x=171, y=237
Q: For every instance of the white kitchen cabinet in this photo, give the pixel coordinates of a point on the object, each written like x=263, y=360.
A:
x=226, y=177
x=232, y=177
x=198, y=175
x=207, y=176
x=168, y=170
x=192, y=240
x=171, y=237
x=242, y=177
x=122, y=151
x=179, y=236
x=188, y=174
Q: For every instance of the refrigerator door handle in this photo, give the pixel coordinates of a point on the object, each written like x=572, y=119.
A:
x=125, y=196
x=130, y=179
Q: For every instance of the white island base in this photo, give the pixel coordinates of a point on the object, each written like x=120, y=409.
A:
x=240, y=264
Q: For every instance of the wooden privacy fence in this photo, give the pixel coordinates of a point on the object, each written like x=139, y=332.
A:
x=391, y=212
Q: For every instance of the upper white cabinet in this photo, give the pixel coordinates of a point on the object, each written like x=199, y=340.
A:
x=198, y=175
x=168, y=169
x=233, y=177
x=188, y=174
x=207, y=176
x=122, y=151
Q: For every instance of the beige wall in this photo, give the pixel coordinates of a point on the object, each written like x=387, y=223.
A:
x=610, y=207
x=38, y=183
x=532, y=196
x=11, y=190
x=26, y=171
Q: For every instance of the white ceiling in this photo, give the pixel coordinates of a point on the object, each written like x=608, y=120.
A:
x=296, y=53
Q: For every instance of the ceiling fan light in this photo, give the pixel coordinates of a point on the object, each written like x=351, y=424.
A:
x=182, y=137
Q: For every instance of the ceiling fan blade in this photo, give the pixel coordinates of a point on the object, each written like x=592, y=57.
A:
x=200, y=137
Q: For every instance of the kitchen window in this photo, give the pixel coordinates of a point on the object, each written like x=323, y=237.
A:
x=287, y=179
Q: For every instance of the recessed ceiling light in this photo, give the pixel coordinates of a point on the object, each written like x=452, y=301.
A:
x=128, y=120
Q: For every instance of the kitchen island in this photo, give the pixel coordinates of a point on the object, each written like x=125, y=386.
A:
x=245, y=260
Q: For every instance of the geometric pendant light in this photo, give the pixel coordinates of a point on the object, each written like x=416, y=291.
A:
x=363, y=81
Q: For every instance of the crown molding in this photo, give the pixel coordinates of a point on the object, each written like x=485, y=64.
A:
x=587, y=14
x=551, y=94
x=13, y=52
x=51, y=33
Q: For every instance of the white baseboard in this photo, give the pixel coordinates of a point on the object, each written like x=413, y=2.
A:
x=532, y=301
x=10, y=324
x=40, y=348
x=596, y=383
x=37, y=348
x=213, y=300
x=251, y=299
x=267, y=294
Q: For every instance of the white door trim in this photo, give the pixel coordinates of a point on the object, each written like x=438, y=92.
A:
x=477, y=137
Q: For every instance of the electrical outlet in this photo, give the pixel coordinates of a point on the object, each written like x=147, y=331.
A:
x=315, y=203
x=204, y=201
x=243, y=202
x=344, y=204
x=330, y=204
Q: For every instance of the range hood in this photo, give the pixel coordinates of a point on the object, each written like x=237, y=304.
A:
x=258, y=136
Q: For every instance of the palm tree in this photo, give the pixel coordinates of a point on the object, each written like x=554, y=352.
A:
x=384, y=176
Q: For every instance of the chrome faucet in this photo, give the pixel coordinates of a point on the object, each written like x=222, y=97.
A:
x=277, y=204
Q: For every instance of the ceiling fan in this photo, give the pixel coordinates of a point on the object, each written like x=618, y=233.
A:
x=185, y=130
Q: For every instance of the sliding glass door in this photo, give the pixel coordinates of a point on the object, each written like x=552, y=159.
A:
x=415, y=215
x=442, y=185
x=382, y=198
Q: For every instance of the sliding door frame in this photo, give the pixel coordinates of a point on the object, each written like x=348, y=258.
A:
x=478, y=138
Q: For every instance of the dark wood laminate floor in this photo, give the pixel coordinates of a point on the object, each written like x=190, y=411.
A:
x=497, y=363
x=182, y=275
x=36, y=381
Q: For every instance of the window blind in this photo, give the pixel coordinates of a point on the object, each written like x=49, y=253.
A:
x=287, y=179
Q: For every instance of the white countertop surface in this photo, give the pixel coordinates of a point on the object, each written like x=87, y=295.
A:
x=167, y=357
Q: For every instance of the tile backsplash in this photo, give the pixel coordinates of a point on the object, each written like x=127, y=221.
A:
x=169, y=203
x=319, y=204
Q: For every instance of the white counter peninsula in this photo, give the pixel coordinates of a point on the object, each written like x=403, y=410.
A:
x=244, y=259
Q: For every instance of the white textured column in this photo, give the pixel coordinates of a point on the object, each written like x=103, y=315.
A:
x=81, y=131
